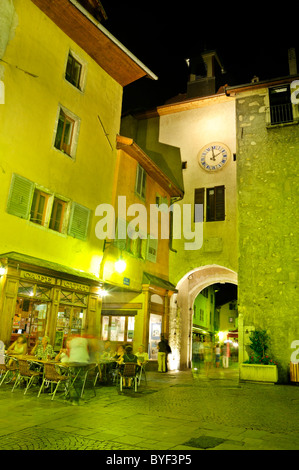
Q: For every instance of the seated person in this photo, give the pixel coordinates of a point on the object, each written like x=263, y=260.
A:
x=106, y=353
x=142, y=355
x=43, y=350
x=129, y=357
x=119, y=353
x=19, y=347
x=62, y=356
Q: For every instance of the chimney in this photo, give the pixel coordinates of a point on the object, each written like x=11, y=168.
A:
x=292, y=61
x=205, y=71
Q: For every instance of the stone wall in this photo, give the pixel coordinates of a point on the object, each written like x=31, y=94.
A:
x=267, y=181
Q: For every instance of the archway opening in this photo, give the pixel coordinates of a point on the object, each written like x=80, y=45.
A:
x=181, y=318
x=215, y=328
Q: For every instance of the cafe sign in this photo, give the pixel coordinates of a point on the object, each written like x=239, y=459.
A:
x=41, y=278
x=38, y=277
x=75, y=286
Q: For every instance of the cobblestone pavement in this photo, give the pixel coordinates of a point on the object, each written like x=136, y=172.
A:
x=175, y=411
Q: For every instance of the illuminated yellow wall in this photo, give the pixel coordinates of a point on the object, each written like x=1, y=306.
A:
x=125, y=186
x=34, y=76
x=190, y=130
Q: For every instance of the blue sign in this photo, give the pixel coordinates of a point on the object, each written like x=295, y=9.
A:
x=126, y=281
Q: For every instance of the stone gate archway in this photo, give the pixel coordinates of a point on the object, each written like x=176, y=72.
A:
x=180, y=332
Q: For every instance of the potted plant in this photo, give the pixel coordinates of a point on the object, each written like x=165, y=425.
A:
x=260, y=367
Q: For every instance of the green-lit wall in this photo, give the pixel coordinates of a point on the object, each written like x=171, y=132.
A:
x=267, y=163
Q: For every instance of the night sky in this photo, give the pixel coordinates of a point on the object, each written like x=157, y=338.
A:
x=249, y=38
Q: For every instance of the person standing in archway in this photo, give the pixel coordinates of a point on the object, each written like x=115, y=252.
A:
x=162, y=355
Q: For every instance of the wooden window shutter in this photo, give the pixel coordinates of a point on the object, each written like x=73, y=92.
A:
x=152, y=248
x=20, y=197
x=199, y=198
x=219, y=203
x=79, y=221
x=121, y=243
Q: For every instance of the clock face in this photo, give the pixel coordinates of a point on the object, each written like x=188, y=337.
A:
x=213, y=156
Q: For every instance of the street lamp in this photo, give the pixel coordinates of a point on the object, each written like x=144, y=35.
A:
x=120, y=265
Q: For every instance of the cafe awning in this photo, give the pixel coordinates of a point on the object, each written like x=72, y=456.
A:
x=152, y=280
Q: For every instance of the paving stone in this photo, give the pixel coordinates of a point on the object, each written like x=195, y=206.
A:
x=48, y=439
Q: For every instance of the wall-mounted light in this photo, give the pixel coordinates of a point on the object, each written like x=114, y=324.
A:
x=120, y=264
x=102, y=292
x=2, y=270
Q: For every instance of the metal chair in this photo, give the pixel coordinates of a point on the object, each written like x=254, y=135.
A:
x=26, y=374
x=129, y=373
x=142, y=372
x=89, y=370
x=10, y=365
x=51, y=376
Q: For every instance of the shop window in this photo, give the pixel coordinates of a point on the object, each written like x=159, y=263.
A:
x=39, y=207
x=30, y=315
x=118, y=328
x=155, y=331
x=73, y=71
x=57, y=215
x=140, y=182
x=70, y=319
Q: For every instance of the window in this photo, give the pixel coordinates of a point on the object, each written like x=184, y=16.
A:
x=64, y=133
x=135, y=246
x=118, y=328
x=79, y=221
x=201, y=315
x=281, y=110
x=214, y=204
x=73, y=71
x=152, y=249
x=140, y=182
x=199, y=198
x=39, y=207
x=56, y=220
x=20, y=197
x=29, y=202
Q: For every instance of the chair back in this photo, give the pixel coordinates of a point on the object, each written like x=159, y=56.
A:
x=11, y=363
x=129, y=369
x=24, y=368
x=51, y=373
x=2, y=352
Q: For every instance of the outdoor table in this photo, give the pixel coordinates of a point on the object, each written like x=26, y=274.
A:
x=103, y=367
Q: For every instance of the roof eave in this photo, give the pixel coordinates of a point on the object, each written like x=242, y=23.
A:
x=110, y=54
x=129, y=146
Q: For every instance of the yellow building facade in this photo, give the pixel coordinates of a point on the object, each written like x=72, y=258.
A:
x=59, y=121
x=136, y=307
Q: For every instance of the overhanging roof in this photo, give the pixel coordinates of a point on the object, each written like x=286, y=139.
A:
x=152, y=168
x=25, y=261
x=152, y=280
x=95, y=40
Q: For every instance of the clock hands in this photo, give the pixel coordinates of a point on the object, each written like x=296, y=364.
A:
x=214, y=156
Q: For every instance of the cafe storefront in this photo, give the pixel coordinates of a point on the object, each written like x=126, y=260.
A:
x=40, y=298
